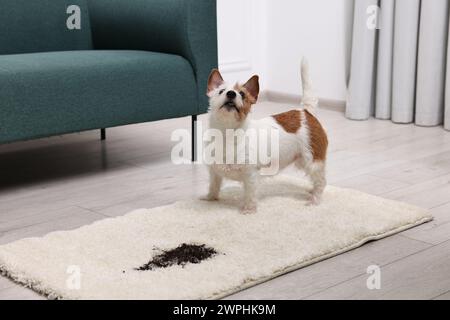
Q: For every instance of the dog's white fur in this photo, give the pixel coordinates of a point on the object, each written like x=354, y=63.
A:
x=291, y=145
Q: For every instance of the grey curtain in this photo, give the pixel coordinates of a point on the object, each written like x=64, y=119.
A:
x=401, y=70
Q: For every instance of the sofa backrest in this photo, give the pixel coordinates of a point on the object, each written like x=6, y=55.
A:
x=28, y=26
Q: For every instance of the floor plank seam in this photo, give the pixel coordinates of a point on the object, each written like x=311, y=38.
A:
x=411, y=237
x=332, y=286
x=440, y=295
x=92, y=211
x=43, y=222
x=398, y=198
x=361, y=274
x=393, y=180
x=418, y=240
x=420, y=251
x=38, y=223
x=440, y=205
x=419, y=183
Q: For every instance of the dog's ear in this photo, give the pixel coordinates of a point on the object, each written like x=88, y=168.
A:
x=252, y=87
x=215, y=80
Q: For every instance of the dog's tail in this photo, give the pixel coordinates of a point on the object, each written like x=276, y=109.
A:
x=309, y=99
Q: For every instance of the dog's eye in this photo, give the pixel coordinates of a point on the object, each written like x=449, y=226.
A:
x=242, y=93
x=221, y=91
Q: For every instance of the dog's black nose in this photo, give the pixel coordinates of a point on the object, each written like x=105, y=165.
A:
x=231, y=94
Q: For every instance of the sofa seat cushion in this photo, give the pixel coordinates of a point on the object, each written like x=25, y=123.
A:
x=43, y=94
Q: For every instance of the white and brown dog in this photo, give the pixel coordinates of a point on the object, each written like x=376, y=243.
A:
x=302, y=140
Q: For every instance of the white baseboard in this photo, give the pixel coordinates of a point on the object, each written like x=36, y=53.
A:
x=276, y=96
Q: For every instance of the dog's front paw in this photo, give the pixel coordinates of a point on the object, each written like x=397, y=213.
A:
x=250, y=208
x=210, y=197
x=314, y=200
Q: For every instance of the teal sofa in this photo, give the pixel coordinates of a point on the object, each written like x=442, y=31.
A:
x=127, y=61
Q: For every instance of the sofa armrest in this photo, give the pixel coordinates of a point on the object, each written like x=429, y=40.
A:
x=184, y=27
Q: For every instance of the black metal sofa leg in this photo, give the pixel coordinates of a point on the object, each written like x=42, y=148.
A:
x=103, y=134
x=194, y=138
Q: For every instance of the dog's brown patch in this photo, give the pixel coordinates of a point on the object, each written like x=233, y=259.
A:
x=252, y=87
x=184, y=254
x=318, y=137
x=248, y=101
x=290, y=121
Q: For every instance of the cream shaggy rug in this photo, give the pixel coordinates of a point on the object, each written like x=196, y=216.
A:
x=100, y=261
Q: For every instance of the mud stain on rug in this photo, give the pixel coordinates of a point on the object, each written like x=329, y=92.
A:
x=182, y=255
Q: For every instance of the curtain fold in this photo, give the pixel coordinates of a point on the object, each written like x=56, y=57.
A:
x=384, y=65
x=447, y=86
x=405, y=59
x=432, y=56
x=360, y=101
x=401, y=71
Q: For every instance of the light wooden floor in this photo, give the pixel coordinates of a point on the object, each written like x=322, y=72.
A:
x=65, y=182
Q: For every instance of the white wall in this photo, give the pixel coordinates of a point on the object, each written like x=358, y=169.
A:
x=242, y=38
x=268, y=37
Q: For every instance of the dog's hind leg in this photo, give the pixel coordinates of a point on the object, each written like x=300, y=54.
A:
x=316, y=172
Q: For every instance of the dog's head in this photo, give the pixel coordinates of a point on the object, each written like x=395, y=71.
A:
x=230, y=104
